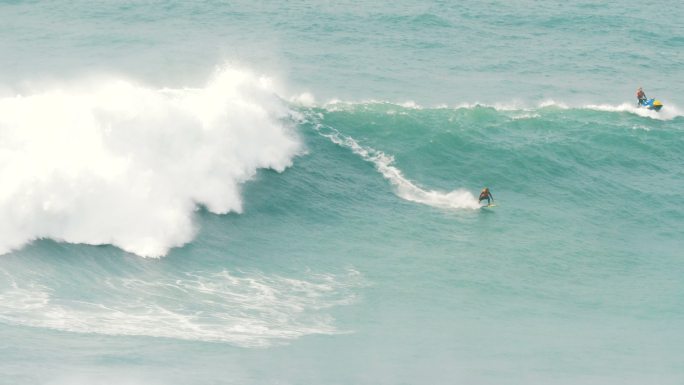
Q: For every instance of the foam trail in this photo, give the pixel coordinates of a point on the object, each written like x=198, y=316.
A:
x=405, y=189
x=243, y=309
x=112, y=162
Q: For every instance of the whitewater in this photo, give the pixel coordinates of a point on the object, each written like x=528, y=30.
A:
x=286, y=193
x=111, y=162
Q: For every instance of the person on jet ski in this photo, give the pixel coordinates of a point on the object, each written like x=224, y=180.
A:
x=641, y=96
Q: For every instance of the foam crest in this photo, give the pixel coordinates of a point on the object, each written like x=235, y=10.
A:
x=523, y=111
x=243, y=309
x=113, y=162
x=405, y=189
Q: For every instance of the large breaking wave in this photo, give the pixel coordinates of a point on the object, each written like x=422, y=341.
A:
x=114, y=162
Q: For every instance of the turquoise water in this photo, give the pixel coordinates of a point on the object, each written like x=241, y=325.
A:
x=238, y=193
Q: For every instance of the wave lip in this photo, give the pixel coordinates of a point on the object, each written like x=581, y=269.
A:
x=113, y=162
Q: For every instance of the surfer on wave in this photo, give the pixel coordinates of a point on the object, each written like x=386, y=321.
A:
x=486, y=194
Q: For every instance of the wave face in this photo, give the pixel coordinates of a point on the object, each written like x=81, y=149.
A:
x=113, y=162
x=425, y=152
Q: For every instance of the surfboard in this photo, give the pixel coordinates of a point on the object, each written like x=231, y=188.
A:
x=487, y=206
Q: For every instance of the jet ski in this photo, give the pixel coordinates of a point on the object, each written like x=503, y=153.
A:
x=651, y=104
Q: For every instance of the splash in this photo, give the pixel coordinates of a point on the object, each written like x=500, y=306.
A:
x=114, y=162
x=668, y=112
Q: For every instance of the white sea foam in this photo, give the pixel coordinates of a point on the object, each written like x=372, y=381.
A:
x=113, y=162
x=243, y=309
x=553, y=103
x=304, y=99
x=405, y=189
x=410, y=104
x=341, y=105
x=668, y=112
x=524, y=116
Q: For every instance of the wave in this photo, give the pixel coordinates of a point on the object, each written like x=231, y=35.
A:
x=668, y=112
x=405, y=189
x=114, y=162
x=243, y=309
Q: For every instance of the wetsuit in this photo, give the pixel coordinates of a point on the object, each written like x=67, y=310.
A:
x=485, y=194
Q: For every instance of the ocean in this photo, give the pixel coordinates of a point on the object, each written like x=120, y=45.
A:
x=286, y=192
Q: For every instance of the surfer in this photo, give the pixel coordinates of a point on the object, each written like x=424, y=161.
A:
x=641, y=96
x=486, y=194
